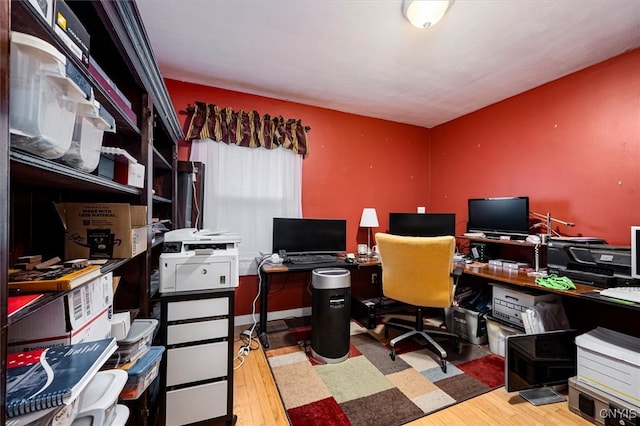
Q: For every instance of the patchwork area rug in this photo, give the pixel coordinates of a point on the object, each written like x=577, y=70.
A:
x=369, y=388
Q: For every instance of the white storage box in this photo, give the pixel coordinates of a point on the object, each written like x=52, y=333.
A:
x=142, y=373
x=92, y=120
x=509, y=304
x=43, y=100
x=135, y=345
x=81, y=315
x=497, y=333
x=610, y=361
x=97, y=402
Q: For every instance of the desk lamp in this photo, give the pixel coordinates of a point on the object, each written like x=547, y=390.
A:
x=369, y=219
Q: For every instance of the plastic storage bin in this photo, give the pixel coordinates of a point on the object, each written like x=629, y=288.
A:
x=497, y=333
x=98, y=401
x=143, y=372
x=92, y=120
x=466, y=323
x=135, y=345
x=44, y=101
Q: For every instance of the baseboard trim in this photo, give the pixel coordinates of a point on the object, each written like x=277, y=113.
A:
x=271, y=316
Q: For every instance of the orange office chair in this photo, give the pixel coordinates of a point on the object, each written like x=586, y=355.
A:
x=418, y=271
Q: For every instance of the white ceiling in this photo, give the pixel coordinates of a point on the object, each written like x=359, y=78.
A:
x=364, y=57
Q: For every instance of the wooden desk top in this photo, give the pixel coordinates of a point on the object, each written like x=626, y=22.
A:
x=509, y=276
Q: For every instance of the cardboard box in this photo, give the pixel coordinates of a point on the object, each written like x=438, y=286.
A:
x=103, y=230
x=70, y=30
x=610, y=361
x=81, y=315
x=509, y=304
x=129, y=173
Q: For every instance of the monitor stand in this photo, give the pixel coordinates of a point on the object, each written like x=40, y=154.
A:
x=542, y=396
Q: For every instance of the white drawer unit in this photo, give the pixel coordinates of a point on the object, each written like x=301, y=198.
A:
x=197, y=331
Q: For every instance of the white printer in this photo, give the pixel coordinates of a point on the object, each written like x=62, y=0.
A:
x=198, y=260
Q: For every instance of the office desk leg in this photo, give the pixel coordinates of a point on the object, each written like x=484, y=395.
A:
x=264, y=298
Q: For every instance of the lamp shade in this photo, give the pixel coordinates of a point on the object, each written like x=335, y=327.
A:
x=425, y=13
x=369, y=218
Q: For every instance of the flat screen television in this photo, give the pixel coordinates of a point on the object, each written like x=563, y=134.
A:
x=499, y=216
x=422, y=225
x=302, y=235
x=535, y=363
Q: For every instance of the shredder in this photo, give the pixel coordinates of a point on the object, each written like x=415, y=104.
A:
x=330, y=314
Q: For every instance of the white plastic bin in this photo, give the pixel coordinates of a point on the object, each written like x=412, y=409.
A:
x=135, y=345
x=99, y=399
x=497, y=333
x=43, y=100
x=90, y=124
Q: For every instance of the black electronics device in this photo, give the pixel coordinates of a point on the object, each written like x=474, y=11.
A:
x=364, y=311
x=422, y=224
x=301, y=235
x=506, y=216
x=481, y=252
x=534, y=363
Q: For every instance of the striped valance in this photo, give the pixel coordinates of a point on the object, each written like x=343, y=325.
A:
x=246, y=128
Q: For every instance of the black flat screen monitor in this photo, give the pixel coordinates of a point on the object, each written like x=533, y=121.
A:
x=301, y=235
x=534, y=363
x=499, y=216
x=422, y=225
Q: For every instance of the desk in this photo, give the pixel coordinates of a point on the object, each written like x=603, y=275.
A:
x=521, y=279
x=267, y=270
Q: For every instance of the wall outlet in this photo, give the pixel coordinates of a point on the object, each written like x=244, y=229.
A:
x=422, y=209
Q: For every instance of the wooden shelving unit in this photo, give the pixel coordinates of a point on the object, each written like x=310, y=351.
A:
x=29, y=185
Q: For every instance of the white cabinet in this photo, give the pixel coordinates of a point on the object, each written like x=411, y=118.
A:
x=197, y=331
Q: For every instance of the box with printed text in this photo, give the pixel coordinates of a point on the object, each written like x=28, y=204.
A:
x=81, y=315
x=103, y=230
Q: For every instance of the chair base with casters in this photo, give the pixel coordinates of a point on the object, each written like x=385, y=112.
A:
x=418, y=329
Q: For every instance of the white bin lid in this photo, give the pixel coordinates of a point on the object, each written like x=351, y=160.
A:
x=38, y=44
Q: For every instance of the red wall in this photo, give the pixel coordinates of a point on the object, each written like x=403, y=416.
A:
x=572, y=146
x=353, y=162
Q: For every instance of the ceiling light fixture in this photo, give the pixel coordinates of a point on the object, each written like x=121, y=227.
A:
x=425, y=13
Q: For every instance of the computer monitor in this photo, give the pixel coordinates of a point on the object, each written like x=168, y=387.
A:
x=534, y=363
x=499, y=216
x=422, y=225
x=302, y=235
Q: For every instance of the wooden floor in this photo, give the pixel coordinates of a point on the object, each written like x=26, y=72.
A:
x=257, y=402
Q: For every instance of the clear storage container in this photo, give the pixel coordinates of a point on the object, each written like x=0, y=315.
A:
x=90, y=124
x=135, y=345
x=43, y=101
x=142, y=373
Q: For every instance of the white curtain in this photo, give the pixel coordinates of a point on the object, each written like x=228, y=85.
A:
x=245, y=188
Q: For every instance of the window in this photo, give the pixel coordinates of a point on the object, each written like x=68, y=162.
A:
x=245, y=188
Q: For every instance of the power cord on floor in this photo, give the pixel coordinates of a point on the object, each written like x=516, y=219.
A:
x=249, y=336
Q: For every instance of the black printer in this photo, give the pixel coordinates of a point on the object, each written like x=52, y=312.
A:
x=590, y=261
